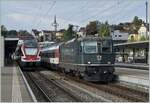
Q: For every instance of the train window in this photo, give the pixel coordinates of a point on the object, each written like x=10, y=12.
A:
x=99, y=44
x=90, y=47
x=107, y=47
x=31, y=51
x=30, y=43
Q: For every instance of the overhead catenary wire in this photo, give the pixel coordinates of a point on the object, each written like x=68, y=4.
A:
x=95, y=15
x=80, y=13
x=83, y=7
x=100, y=12
x=50, y=8
x=35, y=19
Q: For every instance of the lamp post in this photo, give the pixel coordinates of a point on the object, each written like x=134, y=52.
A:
x=146, y=19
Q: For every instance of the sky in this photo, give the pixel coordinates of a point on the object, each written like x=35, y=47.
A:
x=39, y=14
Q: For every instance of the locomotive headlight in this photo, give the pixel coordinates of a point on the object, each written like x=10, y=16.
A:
x=89, y=62
x=105, y=71
x=109, y=62
x=95, y=72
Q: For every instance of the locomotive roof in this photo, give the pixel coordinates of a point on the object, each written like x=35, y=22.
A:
x=87, y=38
x=52, y=47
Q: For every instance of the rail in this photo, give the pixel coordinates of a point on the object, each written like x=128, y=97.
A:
x=117, y=90
x=52, y=91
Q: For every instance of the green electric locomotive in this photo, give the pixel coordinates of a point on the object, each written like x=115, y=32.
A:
x=91, y=58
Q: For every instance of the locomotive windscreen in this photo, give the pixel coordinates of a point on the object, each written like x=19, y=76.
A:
x=90, y=47
x=31, y=51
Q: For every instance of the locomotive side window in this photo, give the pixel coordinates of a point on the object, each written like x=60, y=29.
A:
x=90, y=47
x=99, y=44
x=107, y=47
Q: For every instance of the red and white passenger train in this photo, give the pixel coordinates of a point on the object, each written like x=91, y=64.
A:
x=27, y=53
x=50, y=56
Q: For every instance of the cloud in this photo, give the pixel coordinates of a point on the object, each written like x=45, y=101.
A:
x=21, y=17
x=36, y=14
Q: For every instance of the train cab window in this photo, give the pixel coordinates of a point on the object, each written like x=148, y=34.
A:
x=30, y=43
x=99, y=44
x=31, y=51
x=107, y=47
x=90, y=47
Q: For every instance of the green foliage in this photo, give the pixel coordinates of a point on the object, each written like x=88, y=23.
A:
x=92, y=28
x=13, y=33
x=142, y=38
x=68, y=34
x=136, y=23
x=147, y=38
x=131, y=39
x=23, y=33
x=4, y=31
x=3, y=28
x=104, y=30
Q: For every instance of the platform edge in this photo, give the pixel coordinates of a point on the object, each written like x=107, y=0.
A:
x=28, y=87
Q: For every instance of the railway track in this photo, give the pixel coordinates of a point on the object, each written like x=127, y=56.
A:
x=117, y=90
x=51, y=90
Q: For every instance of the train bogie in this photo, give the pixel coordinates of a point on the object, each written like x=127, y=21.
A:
x=102, y=73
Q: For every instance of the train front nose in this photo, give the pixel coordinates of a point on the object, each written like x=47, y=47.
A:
x=31, y=58
x=31, y=55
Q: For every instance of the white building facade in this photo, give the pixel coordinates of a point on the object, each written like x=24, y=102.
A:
x=117, y=35
x=142, y=31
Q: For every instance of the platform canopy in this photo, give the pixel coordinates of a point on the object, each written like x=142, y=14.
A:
x=139, y=44
x=11, y=39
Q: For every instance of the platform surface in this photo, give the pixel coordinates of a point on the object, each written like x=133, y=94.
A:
x=137, y=76
x=13, y=87
x=143, y=66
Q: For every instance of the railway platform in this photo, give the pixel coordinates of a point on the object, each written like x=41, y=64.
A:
x=14, y=87
x=137, y=77
x=142, y=66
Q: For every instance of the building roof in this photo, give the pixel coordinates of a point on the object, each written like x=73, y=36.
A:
x=47, y=31
x=36, y=32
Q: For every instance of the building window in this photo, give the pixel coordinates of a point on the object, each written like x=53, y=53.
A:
x=115, y=35
x=120, y=35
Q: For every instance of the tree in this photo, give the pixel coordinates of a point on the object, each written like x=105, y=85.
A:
x=136, y=23
x=142, y=38
x=3, y=28
x=104, y=30
x=12, y=33
x=68, y=34
x=23, y=33
x=131, y=39
x=4, y=31
x=92, y=28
